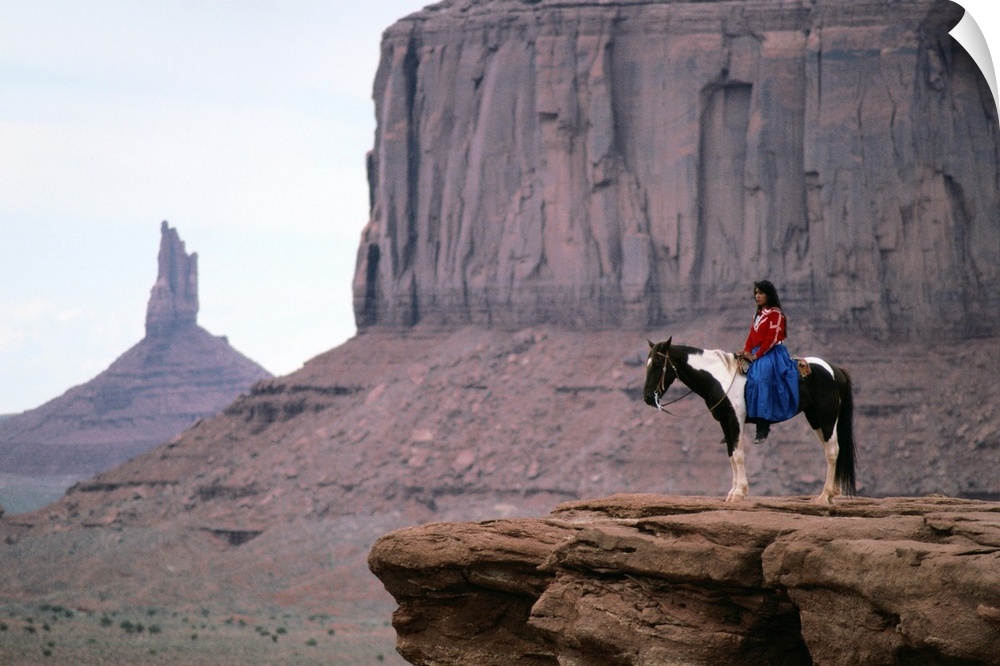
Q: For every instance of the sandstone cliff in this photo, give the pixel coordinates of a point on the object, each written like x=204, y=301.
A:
x=176, y=374
x=628, y=163
x=643, y=579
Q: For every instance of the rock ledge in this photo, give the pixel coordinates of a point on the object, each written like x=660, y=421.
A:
x=644, y=579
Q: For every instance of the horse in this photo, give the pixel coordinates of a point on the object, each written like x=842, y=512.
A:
x=825, y=396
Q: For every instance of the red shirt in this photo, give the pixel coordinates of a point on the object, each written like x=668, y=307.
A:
x=768, y=330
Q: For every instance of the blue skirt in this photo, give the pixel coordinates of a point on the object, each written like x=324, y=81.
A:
x=772, y=391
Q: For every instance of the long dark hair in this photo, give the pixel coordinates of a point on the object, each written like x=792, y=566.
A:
x=768, y=289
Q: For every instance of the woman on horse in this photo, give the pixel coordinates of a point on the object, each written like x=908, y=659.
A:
x=772, y=391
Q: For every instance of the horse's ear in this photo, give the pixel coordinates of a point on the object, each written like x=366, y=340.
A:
x=651, y=345
x=668, y=341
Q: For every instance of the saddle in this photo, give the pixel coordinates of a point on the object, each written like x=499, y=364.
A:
x=801, y=363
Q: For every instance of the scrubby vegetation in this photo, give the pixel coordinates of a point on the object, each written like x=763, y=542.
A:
x=52, y=634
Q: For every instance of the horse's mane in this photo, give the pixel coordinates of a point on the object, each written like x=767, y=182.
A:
x=728, y=358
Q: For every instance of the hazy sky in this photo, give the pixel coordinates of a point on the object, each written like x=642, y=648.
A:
x=244, y=123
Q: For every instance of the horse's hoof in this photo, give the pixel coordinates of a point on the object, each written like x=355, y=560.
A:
x=823, y=500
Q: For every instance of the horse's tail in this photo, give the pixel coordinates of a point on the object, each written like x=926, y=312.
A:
x=844, y=472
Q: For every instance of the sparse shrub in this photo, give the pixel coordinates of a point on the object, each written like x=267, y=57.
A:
x=3, y=626
x=47, y=652
x=194, y=637
x=132, y=628
x=154, y=629
x=281, y=631
x=106, y=621
x=311, y=642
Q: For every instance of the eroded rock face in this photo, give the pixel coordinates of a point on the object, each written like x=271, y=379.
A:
x=624, y=163
x=645, y=579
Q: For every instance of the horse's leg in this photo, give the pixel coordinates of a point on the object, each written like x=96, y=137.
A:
x=831, y=449
x=738, y=462
x=732, y=489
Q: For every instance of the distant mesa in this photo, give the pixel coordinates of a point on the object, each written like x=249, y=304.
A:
x=176, y=374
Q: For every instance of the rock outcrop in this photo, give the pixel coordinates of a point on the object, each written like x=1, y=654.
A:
x=173, y=301
x=176, y=374
x=623, y=164
x=644, y=579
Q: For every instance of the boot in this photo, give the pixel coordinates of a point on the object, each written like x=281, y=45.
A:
x=763, y=430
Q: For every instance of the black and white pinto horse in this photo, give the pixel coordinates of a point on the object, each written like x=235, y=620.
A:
x=714, y=375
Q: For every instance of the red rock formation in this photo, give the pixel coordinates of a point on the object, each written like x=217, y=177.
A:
x=625, y=163
x=175, y=375
x=643, y=579
x=277, y=499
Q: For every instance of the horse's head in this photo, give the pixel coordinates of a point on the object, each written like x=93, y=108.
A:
x=660, y=373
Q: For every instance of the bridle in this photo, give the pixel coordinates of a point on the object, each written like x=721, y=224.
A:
x=661, y=388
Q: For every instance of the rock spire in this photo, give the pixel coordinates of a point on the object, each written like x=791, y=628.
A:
x=173, y=301
x=177, y=374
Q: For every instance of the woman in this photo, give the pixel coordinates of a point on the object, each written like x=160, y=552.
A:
x=772, y=392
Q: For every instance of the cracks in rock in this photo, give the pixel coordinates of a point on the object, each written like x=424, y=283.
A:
x=411, y=66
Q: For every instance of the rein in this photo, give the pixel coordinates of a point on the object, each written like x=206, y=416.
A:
x=663, y=389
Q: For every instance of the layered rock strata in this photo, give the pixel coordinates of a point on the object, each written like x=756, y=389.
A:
x=628, y=163
x=645, y=579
